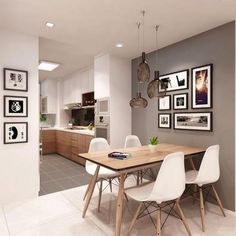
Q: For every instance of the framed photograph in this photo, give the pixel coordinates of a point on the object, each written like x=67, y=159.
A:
x=16, y=80
x=202, y=86
x=15, y=132
x=164, y=103
x=201, y=121
x=175, y=81
x=15, y=106
x=164, y=120
x=180, y=101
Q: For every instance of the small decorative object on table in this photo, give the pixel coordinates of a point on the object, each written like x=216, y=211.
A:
x=119, y=155
x=153, y=143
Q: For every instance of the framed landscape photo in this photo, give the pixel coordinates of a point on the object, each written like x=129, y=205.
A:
x=164, y=103
x=175, y=81
x=201, y=121
x=164, y=120
x=16, y=80
x=202, y=86
x=15, y=106
x=180, y=101
x=15, y=132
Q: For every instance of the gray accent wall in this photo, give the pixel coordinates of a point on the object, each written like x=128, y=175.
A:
x=215, y=46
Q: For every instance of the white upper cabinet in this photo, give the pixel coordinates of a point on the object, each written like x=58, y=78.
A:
x=48, y=97
x=77, y=84
x=101, y=77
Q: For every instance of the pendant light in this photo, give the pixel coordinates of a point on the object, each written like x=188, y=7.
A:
x=155, y=85
x=138, y=101
x=143, y=72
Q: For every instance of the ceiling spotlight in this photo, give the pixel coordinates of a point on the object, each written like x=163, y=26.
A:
x=47, y=65
x=119, y=45
x=50, y=24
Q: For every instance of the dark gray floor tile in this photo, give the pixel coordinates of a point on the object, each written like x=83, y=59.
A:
x=50, y=187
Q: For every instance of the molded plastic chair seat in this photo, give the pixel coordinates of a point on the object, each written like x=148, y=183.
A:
x=191, y=176
x=141, y=193
x=103, y=172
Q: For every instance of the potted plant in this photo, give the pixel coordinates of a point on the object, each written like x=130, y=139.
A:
x=153, y=143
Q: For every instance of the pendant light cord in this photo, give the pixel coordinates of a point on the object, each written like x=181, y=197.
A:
x=138, y=25
x=157, y=27
x=143, y=13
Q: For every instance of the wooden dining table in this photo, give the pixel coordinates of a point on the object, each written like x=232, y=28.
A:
x=140, y=158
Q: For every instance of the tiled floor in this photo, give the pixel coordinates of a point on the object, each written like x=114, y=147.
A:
x=59, y=214
x=58, y=173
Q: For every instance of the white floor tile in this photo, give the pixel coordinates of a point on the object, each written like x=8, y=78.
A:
x=67, y=225
x=21, y=216
x=3, y=225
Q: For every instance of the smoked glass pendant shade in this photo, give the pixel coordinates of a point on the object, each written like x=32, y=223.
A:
x=138, y=101
x=156, y=88
x=143, y=72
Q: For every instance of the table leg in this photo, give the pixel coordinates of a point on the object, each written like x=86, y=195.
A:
x=192, y=163
x=194, y=186
x=119, y=206
x=90, y=191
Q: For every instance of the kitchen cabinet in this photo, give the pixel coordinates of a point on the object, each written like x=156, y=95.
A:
x=66, y=144
x=48, y=90
x=78, y=83
x=48, y=138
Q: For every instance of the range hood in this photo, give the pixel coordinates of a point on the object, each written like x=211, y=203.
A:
x=72, y=106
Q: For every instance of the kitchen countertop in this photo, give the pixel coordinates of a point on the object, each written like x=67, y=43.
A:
x=80, y=131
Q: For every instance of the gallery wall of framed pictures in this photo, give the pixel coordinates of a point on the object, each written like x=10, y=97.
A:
x=201, y=97
x=15, y=107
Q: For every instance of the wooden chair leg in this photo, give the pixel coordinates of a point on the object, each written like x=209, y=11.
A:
x=85, y=195
x=110, y=183
x=159, y=221
x=183, y=218
x=218, y=200
x=137, y=177
x=202, y=211
x=134, y=218
x=90, y=191
x=100, y=195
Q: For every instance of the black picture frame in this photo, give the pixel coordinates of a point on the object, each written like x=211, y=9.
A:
x=185, y=126
x=6, y=108
x=174, y=83
x=168, y=125
x=208, y=84
x=14, y=132
x=169, y=104
x=185, y=106
x=7, y=85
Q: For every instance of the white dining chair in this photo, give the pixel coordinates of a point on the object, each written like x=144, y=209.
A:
x=133, y=141
x=99, y=145
x=169, y=186
x=208, y=173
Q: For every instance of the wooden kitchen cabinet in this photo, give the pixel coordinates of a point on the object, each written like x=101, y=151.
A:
x=48, y=138
x=66, y=144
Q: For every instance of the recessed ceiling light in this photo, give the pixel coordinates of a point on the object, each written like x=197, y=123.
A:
x=47, y=65
x=119, y=45
x=49, y=24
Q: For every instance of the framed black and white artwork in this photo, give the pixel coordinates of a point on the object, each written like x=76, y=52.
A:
x=164, y=120
x=15, y=132
x=164, y=103
x=200, y=121
x=175, y=81
x=202, y=86
x=180, y=101
x=16, y=80
x=15, y=106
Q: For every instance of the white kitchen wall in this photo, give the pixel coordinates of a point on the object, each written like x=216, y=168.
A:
x=19, y=163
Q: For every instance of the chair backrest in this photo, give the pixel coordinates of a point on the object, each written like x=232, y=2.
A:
x=97, y=145
x=132, y=141
x=170, y=181
x=209, y=171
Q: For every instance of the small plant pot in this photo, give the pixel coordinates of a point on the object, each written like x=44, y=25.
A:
x=152, y=148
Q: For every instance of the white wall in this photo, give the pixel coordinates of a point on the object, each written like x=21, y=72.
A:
x=19, y=163
x=120, y=95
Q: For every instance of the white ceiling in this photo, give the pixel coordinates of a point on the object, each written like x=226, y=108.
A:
x=85, y=28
